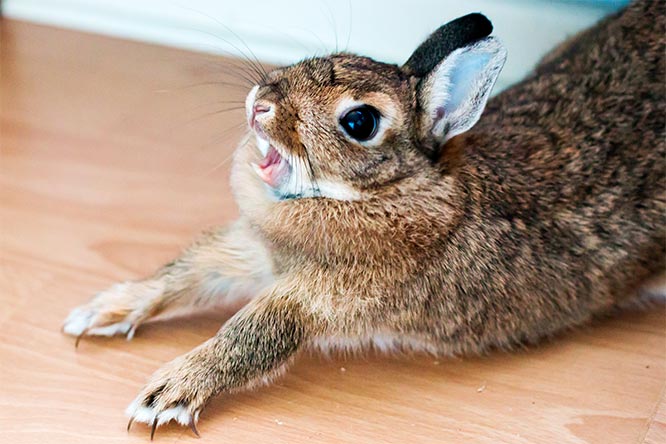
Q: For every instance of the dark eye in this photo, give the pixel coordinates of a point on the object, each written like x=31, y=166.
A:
x=361, y=123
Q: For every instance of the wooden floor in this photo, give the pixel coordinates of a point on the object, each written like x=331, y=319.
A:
x=112, y=158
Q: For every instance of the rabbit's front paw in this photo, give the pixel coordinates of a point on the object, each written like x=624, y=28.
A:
x=178, y=391
x=118, y=310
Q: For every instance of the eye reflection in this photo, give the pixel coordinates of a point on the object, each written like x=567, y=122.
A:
x=361, y=123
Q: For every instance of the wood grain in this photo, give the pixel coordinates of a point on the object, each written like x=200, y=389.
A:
x=112, y=159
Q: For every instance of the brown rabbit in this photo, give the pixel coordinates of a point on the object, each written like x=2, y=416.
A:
x=374, y=215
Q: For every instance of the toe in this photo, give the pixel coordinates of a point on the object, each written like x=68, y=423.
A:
x=77, y=322
x=112, y=329
x=147, y=415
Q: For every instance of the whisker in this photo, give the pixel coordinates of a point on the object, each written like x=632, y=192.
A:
x=255, y=65
x=301, y=178
x=331, y=19
x=240, y=72
x=297, y=186
x=217, y=102
x=244, y=58
x=301, y=182
x=200, y=84
x=349, y=33
x=225, y=135
x=212, y=113
x=323, y=48
x=254, y=73
x=298, y=42
x=231, y=68
x=248, y=71
x=225, y=160
x=311, y=174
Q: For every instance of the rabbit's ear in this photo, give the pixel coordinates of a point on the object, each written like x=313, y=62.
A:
x=447, y=38
x=454, y=93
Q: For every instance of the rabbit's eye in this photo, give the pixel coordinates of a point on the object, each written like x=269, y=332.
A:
x=361, y=123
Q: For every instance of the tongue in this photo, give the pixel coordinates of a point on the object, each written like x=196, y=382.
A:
x=272, y=158
x=272, y=168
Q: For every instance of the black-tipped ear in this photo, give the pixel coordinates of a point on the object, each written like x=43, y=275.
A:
x=453, y=95
x=449, y=37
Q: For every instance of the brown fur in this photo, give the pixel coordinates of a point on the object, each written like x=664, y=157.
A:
x=550, y=211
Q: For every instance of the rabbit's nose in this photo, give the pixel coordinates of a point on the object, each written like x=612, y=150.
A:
x=257, y=110
x=260, y=108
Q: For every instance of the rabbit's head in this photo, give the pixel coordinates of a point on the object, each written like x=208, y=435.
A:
x=343, y=125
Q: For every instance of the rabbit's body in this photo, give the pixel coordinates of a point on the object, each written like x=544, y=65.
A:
x=551, y=210
x=573, y=159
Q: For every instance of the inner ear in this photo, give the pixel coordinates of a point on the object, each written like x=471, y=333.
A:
x=454, y=94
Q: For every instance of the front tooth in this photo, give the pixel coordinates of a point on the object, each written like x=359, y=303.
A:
x=260, y=172
x=263, y=146
x=257, y=169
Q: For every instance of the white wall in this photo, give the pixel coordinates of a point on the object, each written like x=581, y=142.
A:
x=284, y=31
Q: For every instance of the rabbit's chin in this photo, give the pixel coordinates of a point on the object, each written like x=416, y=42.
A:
x=297, y=185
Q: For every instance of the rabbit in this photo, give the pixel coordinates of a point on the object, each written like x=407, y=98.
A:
x=380, y=209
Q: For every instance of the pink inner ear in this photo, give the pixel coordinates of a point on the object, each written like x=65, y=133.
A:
x=439, y=113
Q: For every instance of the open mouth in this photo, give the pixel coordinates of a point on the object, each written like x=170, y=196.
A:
x=273, y=168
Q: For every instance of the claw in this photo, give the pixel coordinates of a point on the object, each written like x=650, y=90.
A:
x=152, y=429
x=193, y=427
x=132, y=330
x=129, y=424
x=78, y=338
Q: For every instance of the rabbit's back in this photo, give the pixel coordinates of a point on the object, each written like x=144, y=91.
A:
x=566, y=183
x=584, y=138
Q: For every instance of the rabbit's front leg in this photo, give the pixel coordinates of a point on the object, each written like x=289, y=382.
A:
x=250, y=349
x=221, y=267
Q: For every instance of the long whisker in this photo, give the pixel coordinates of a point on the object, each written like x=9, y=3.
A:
x=240, y=72
x=247, y=62
x=217, y=102
x=301, y=181
x=212, y=113
x=201, y=84
x=235, y=103
x=321, y=42
x=349, y=33
x=229, y=68
x=224, y=161
x=311, y=174
x=298, y=42
x=256, y=66
x=331, y=19
x=223, y=137
x=260, y=68
x=248, y=71
x=297, y=185
x=220, y=138
x=244, y=72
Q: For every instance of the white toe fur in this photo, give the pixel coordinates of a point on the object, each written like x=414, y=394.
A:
x=147, y=415
x=77, y=321
x=82, y=319
x=119, y=328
